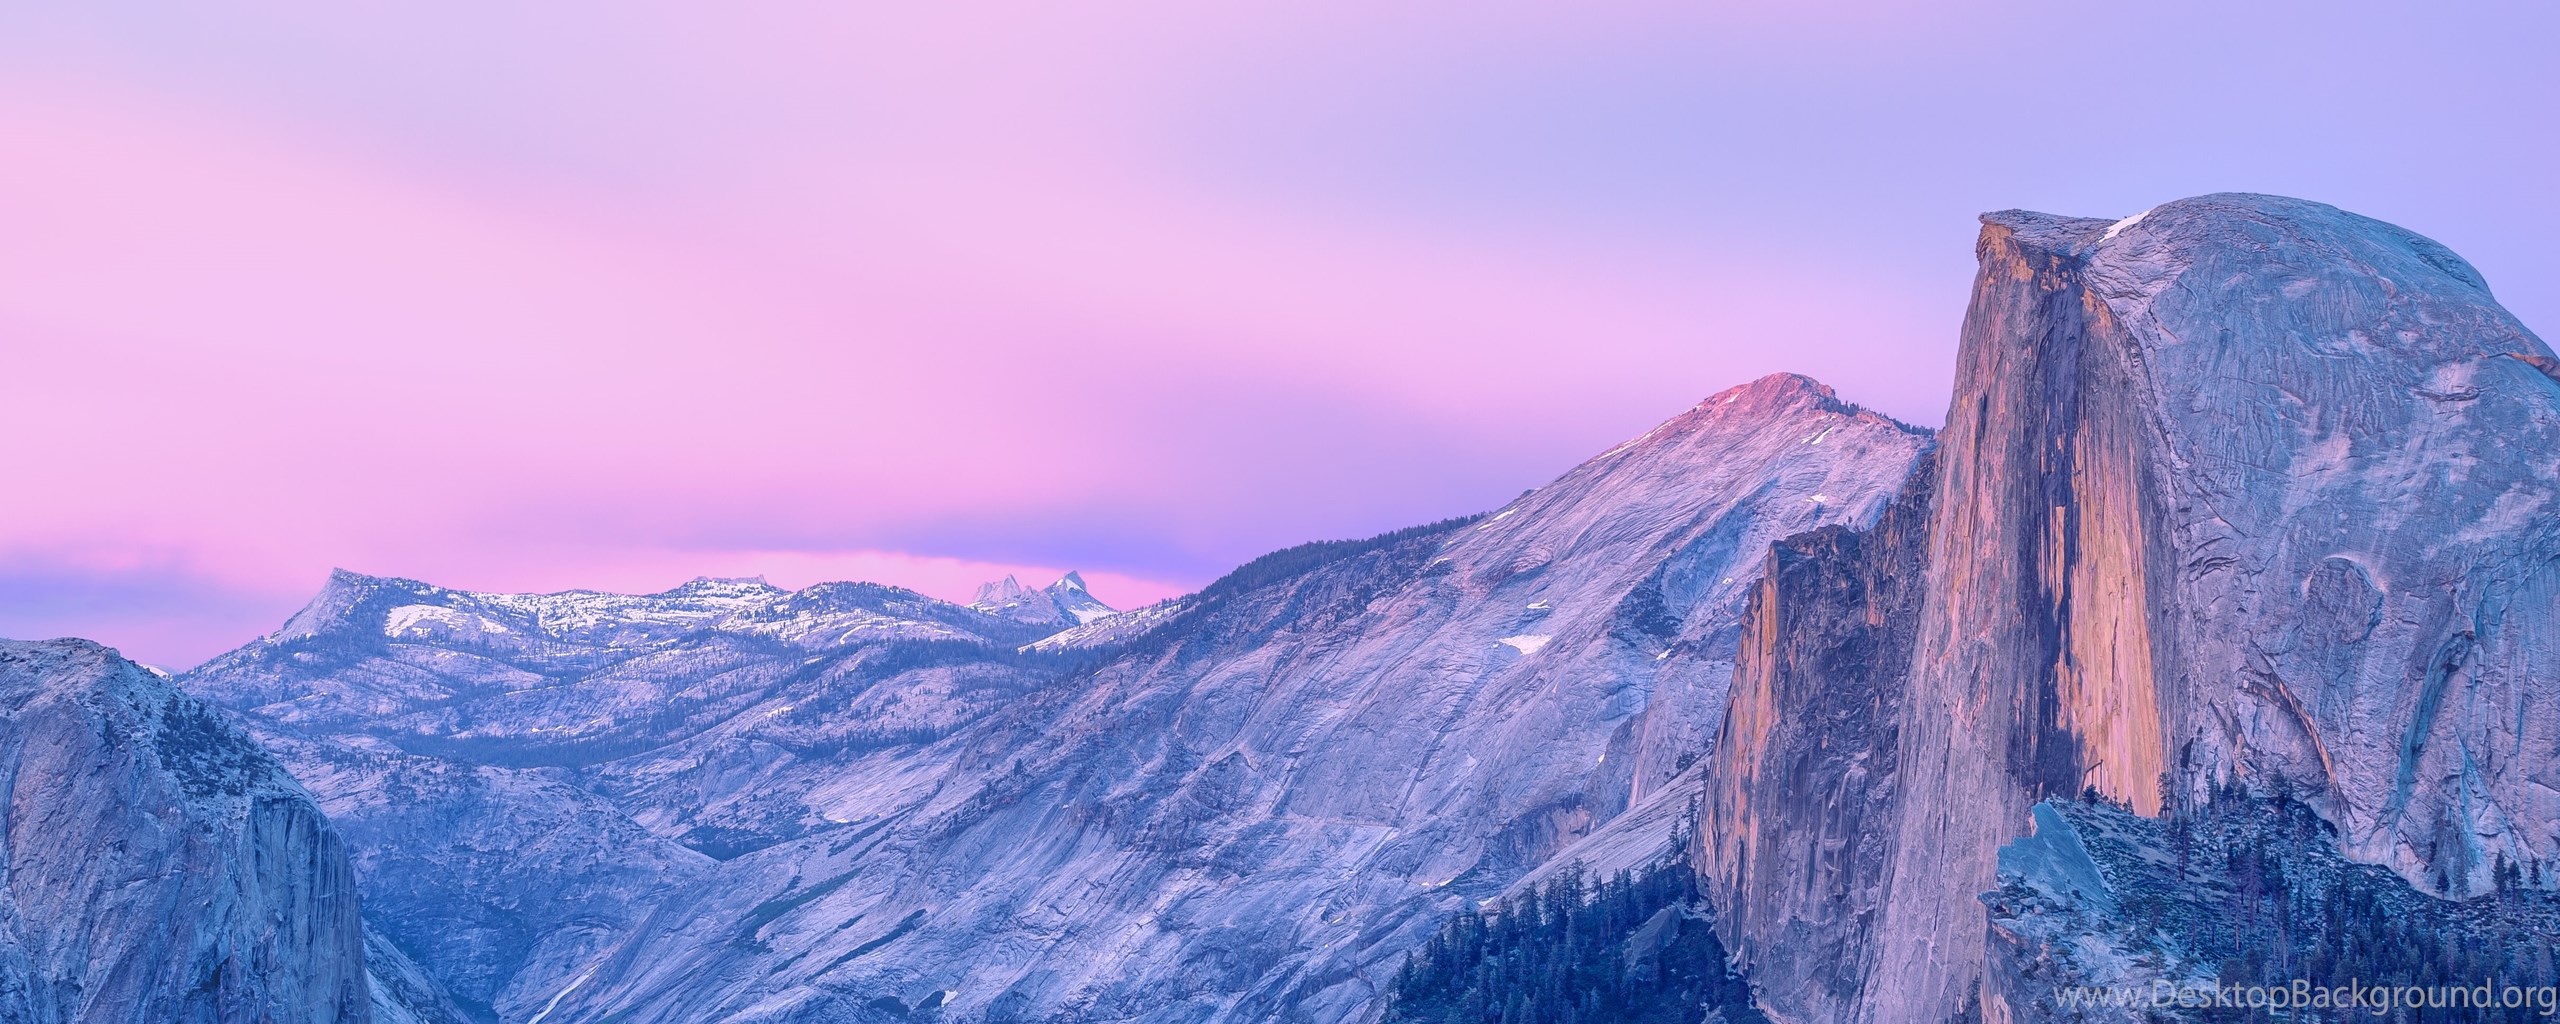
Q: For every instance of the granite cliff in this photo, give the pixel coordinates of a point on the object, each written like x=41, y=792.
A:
x=2240, y=490
x=157, y=866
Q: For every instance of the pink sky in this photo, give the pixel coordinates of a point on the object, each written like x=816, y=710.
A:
x=533, y=297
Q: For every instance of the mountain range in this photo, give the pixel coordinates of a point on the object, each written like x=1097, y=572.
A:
x=2243, y=514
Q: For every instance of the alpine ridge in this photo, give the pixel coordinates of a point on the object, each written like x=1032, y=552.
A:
x=1243, y=805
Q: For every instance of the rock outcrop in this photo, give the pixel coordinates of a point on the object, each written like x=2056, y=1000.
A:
x=160, y=868
x=1796, y=821
x=1063, y=603
x=2239, y=488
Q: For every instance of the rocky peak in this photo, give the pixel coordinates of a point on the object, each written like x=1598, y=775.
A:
x=352, y=600
x=1776, y=402
x=995, y=595
x=1065, y=602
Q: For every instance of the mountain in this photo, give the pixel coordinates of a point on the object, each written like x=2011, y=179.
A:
x=579, y=677
x=1246, y=804
x=2213, y=641
x=155, y=864
x=1064, y=603
x=525, y=778
x=2241, y=491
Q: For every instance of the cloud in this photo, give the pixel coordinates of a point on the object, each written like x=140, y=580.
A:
x=582, y=294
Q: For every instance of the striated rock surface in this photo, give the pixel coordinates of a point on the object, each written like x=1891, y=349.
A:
x=1252, y=810
x=1243, y=805
x=2239, y=488
x=156, y=866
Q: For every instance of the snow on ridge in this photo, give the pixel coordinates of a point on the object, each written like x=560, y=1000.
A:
x=416, y=620
x=2118, y=227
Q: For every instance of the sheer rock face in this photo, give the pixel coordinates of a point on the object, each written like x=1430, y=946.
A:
x=1797, y=816
x=159, y=866
x=2236, y=488
x=2243, y=486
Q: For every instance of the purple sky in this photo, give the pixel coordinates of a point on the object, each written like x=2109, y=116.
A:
x=539, y=296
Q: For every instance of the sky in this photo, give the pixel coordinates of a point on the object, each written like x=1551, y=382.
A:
x=610, y=295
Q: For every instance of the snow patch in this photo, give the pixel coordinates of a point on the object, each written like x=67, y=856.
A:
x=554, y=1004
x=1527, y=643
x=416, y=620
x=2119, y=226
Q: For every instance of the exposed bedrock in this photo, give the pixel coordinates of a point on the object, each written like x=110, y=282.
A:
x=156, y=866
x=1799, y=805
x=2241, y=487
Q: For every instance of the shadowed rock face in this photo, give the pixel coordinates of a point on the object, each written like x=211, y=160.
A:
x=1797, y=816
x=2239, y=487
x=159, y=867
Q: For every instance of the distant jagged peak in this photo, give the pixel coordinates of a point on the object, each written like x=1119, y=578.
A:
x=1076, y=604
x=994, y=594
x=1065, y=602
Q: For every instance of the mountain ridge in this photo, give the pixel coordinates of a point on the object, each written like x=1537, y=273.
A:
x=2243, y=502
x=1623, y=567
